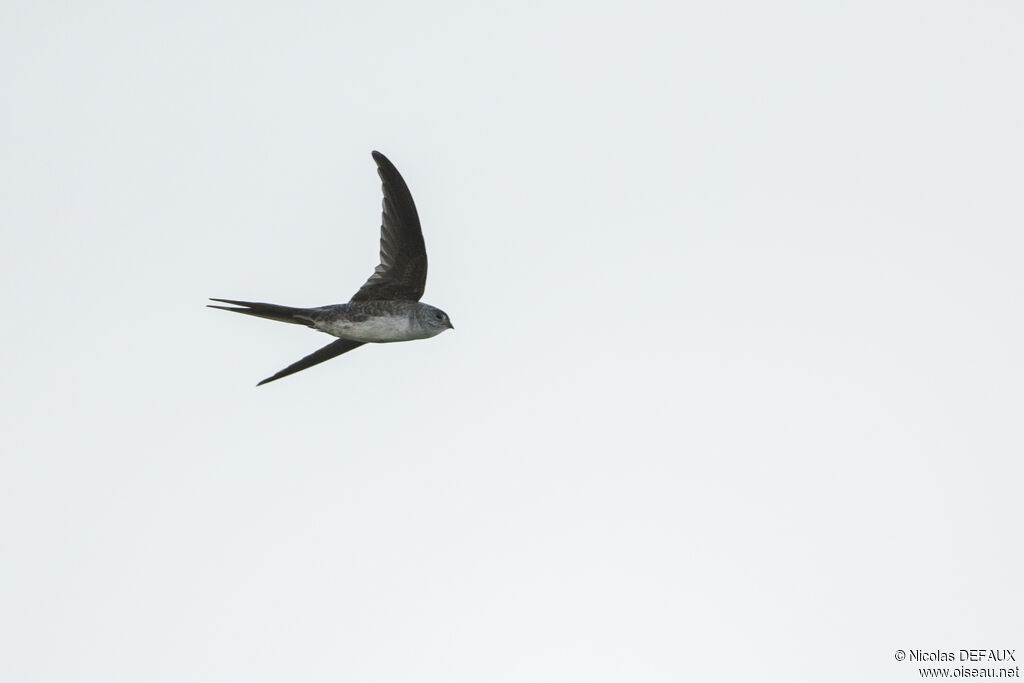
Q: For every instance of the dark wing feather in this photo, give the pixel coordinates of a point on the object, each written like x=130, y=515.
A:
x=402, y=273
x=335, y=348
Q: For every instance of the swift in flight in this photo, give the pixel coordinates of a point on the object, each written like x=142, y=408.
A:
x=385, y=309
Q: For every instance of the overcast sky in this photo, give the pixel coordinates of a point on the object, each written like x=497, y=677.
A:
x=735, y=390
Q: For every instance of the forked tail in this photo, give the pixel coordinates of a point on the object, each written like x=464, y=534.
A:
x=284, y=314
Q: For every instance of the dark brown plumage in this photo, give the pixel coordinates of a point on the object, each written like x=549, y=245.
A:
x=387, y=307
x=402, y=273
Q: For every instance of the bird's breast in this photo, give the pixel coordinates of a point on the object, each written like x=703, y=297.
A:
x=378, y=328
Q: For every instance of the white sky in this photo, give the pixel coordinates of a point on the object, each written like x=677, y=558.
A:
x=735, y=392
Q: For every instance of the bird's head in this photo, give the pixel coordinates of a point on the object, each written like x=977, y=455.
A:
x=434, y=319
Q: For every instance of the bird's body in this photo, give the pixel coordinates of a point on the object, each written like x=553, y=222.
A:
x=386, y=308
x=378, y=321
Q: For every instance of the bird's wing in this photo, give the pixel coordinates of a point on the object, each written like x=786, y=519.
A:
x=335, y=348
x=402, y=273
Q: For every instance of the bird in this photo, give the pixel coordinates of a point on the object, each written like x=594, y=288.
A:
x=387, y=307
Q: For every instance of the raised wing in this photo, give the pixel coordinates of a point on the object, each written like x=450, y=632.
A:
x=402, y=273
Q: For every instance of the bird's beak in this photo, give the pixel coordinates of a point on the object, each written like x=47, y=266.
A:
x=450, y=326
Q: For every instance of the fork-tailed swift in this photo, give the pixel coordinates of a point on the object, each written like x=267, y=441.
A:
x=385, y=309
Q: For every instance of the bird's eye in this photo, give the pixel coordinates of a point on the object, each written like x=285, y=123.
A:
x=439, y=316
